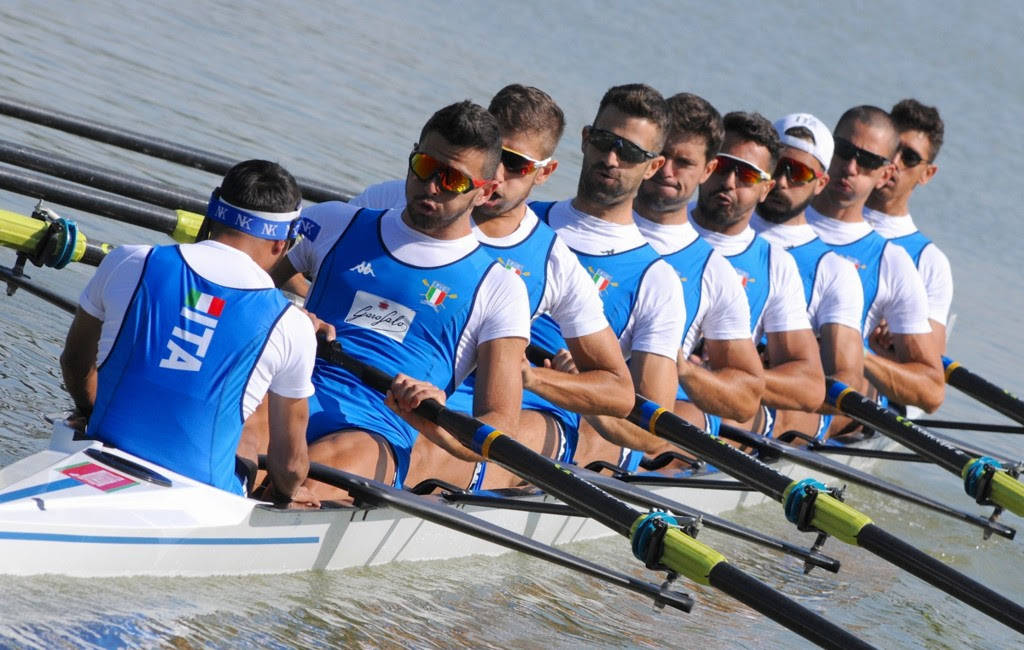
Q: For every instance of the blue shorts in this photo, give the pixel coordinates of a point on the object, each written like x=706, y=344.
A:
x=342, y=402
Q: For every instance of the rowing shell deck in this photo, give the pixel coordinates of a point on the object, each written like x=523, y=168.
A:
x=68, y=510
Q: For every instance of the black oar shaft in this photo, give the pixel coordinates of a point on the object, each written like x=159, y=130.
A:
x=956, y=584
x=101, y=178
x=816, y=461
x=89, y=200
x=377, y=493
x=734, y=462
x=45, y=294
x=801, y=620
x=969, y=426
x=983, y=390
x=917, y=438
x=151, y=146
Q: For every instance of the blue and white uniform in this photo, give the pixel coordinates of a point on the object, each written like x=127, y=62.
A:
x=716, y=306
x=192, y=338
x=641, y=294
x=404, y=302
x=831, y=284
x=772, y=281
x=930, y=261
x=556, y=282
x=892, y=287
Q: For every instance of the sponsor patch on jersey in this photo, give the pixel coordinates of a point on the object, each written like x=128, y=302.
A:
x=100, y=478
x=380, y=315
x=436, y=294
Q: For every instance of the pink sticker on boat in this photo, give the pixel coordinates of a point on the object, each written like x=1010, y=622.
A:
x=99, y=477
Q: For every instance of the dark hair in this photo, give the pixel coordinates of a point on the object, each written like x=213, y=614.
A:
x=469, y=125
x=754, y=127
x=871, y=116
x=638, y=100
x=912, y=115
x=260, y=185
x=525, y=109
x=689, y=116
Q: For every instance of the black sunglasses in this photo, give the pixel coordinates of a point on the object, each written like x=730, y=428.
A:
x=909, y=157
x=605, y=141
x=865, y=159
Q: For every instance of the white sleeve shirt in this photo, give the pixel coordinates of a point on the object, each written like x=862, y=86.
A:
x=659, y=315
x=785, y=309
x=570, y=295
x=382, y=196
x=837, y=296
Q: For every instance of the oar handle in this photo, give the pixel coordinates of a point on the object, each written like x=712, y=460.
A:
x=983, y=390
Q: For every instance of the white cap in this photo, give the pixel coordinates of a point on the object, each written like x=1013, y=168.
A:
x=823, y=144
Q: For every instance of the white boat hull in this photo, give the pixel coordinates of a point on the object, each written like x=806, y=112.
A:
x=63, y=512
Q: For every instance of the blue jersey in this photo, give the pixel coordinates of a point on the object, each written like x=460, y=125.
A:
x=402, y=318
x=866, y=254
x=529, y=260
x=618, y=278
x=172, y=387
x=754, y=267
x=689, y=263
x=808, y=257
x=914, y=243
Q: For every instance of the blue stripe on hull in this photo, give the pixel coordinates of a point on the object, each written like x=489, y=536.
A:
x=170, y=541
x=43, y=488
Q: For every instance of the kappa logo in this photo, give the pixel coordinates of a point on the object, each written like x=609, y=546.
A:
x=203, y=310
x=601, y=278
x=436, y=294
x=514, y=266
x=364, y=268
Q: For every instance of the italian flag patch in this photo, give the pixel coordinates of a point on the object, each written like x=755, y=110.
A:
x=205, y=303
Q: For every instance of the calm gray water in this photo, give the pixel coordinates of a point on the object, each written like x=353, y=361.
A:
x=338, y=91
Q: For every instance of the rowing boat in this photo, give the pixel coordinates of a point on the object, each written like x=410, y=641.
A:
x=78, y=508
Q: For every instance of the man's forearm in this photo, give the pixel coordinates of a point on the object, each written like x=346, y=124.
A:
x=911, y=382
x=731, y=393
x=797, y=385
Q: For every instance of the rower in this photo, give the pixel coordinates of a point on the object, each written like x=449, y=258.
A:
x=172, y=347
x=920, y=130
x=831, y=284
x=641, y=293
x=411, y=291
x=531, y=125
x=717, y=311
x=910, y=371
x=793, y=375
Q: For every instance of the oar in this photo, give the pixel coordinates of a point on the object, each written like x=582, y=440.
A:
x=770, y=447
x=102, y=178
x=379, y=494
x=646, y=498
x=969, y=426
x=654, y=538
x=56, y=246
x=151, y=146
x=809, y=505
x=181, y=225
x=20, y=282
x=984, y=479
x=983, y=390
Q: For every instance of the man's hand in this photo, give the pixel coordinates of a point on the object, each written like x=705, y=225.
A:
x=406, y=394
x=562, y=362
x=881, y=341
